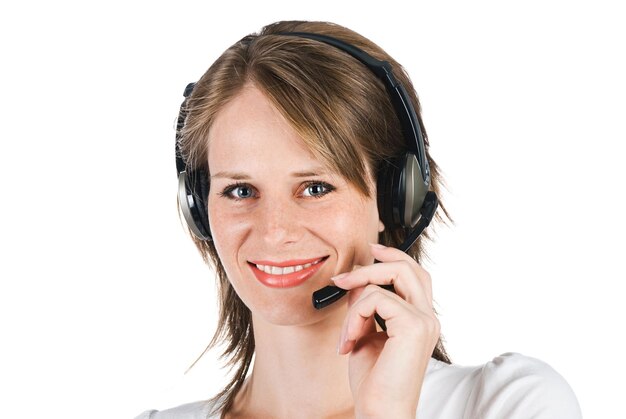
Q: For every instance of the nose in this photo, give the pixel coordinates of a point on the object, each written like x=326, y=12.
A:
x=281, y=222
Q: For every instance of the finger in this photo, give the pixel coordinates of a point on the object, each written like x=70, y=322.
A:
x=388, y=254
x=411, y=286
x=358, y=317
x=384, y=253
x=396, y=312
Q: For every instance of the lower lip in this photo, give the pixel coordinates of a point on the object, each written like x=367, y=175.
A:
x=288, y=280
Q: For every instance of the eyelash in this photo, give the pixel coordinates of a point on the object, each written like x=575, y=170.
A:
x=327, y=186
x=228, y=190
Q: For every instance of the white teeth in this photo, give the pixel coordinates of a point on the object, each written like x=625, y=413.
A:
x=276, y=270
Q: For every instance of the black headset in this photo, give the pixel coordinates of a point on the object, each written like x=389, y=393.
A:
x=402, y=184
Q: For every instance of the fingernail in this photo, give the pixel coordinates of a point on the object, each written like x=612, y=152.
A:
x=377, y=246
x=340, y=342
x=336, y=277
x=342, y=339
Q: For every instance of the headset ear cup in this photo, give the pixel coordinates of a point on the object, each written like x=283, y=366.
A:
x=201, y=187
x=413, y=191
x=192, y=198
x=388, y=184
x=401, y=192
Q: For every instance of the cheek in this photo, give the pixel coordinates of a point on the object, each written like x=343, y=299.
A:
x=348, y=224
x=228, y=231
x=354, y=225
x=229, y=234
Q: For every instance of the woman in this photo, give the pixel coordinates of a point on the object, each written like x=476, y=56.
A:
x=302, y=161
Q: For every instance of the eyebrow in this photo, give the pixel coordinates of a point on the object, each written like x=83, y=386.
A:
x=230, y=175
x=243, y=176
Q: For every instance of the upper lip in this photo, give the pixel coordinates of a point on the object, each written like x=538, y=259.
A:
x=285, y=263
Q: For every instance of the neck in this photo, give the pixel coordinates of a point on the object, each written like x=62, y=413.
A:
x=297, y=372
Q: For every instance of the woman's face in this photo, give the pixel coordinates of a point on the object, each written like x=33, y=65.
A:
x=282, y=223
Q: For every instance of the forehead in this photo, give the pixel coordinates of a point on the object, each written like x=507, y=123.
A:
x=250, y=131
x=251, y=137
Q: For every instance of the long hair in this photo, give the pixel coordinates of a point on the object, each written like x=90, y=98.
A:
x=343, y=114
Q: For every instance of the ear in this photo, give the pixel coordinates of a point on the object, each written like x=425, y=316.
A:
x=381, y=226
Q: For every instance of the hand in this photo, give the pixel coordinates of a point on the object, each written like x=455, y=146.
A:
x=387, y=368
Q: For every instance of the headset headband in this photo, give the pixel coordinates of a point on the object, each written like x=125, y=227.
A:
x=399, y=97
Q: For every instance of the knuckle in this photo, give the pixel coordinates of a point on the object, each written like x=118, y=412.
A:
x=427, y=276
x=427, y=326
x=435, y=326
x=369, y=288
x=372, y=289
x=371, y=292
x=406, y=265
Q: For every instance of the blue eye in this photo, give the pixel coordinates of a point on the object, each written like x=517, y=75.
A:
x=317, y=189
x=242, y=192
x=238, y=191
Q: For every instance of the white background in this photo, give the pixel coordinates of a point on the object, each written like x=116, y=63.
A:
x=104, y=302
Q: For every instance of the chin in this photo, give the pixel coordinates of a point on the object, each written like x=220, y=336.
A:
x=290, y=310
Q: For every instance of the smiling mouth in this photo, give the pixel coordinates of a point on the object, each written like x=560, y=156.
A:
x=285, y=274
x=283, y=270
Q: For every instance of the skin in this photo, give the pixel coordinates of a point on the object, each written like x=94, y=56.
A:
x=272, y=200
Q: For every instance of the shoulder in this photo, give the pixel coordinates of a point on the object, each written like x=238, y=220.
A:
x=509, y=386
x=196, y=410
x=522, y=386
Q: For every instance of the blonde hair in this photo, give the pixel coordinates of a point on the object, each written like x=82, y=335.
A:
x=344, y=116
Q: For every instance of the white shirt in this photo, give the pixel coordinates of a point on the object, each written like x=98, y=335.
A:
x=512, y=386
